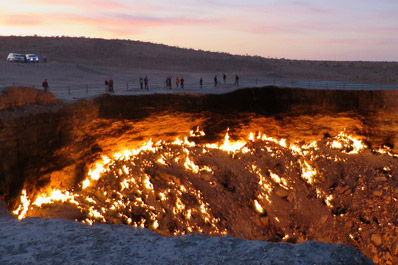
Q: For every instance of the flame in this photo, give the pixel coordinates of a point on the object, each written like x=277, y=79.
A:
x=55, y=196
x=258, y=207
x=120, y=186
x=308, y=172
x=344, y=141
x=23, y=207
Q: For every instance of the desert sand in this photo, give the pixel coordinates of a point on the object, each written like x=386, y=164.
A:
x=81, y=62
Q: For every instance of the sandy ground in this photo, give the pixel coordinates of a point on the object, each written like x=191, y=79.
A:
x=72, y=81
x=54, y=241
x=78, y=67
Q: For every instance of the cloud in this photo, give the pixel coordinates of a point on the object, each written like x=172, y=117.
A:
x=156, y=21
x=78, y=3
x=21, y=20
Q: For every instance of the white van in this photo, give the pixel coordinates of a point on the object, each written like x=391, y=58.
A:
x=16, y=57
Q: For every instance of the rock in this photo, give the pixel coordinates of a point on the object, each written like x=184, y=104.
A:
x=377, y=193
x=376, y=238
x=381, y=179
x=282, y=193
x=323, y=219
x=344, y=189
x=387, y=256
x=264, y=220
x=348, y=191
x=395, y=248
x=348, y=224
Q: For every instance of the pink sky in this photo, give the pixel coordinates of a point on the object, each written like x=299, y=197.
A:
x=296, y=29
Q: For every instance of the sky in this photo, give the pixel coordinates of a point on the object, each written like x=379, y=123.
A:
x=293, y=29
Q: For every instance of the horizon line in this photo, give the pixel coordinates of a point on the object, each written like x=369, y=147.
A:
x=195, y=49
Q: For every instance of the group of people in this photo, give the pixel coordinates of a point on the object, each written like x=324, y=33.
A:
x=180, y=82
x=224, y=77
x=144, y=83
x=109, y=85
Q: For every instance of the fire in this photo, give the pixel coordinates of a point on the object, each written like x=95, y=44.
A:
x=55, y=196
x=23, y=207
x=308, y=172
x=137, y=186
x=344, y=141
x=228, y=146
x=258, y=207
x=281, y=181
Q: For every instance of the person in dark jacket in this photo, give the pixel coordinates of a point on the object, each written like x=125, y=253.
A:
x=45, y=85
x=106, y=85
x=182, y=82
x=141, y=82
x=110, y=84
x=215, y=81
x=236, y=80
x=224, y=77
x=146, y=81
x=201, y=82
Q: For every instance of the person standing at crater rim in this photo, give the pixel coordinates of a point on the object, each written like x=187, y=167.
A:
x=236, y=80
x=215, y=81
x=201, y=82
x=146, y=80
x=141, y=82
x=224, y=77
x=106, y=85
x=182, y=82
x=110, y=84
x=178, y=82
x=45, y=85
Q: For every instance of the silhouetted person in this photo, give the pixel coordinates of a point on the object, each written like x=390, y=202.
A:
x=215, y=81
x=201, y=82
x=45, y=85
x=168, y=82
x=106, y=85
x=236, y=80
x=44, y=59
x=141, y=82
x=182, y=82
x=146, y=80
x=224, y=77
x=178, y=82
x=110, y=84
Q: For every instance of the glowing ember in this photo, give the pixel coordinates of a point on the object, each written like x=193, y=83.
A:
x=137, y=185
x=308, y=172
x=258, y=207
x=346, y=142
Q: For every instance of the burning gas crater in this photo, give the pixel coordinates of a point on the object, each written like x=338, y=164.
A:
x=333, y=189
x=141, y=186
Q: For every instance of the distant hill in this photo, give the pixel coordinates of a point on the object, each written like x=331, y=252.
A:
x=144, y=55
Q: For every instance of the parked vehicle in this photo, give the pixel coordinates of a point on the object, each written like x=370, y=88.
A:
x=16, y=57
x=31, y=58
